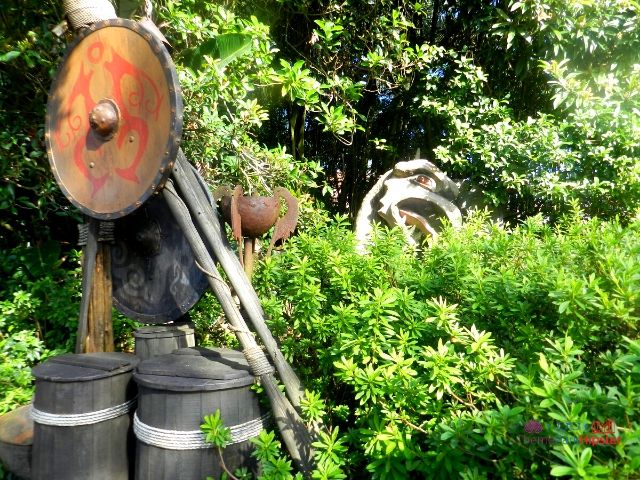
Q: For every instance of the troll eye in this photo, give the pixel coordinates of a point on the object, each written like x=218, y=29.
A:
x=425, y=181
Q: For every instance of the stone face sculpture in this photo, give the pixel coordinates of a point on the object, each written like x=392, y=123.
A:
x=414, y=194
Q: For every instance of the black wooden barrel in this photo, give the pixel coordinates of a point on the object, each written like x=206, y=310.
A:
x=81, y=411
x=162, y=339
x=16, y=441
x=176, y=391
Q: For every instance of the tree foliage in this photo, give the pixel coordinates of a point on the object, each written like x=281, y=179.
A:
x=31, y=205
x=533, y=101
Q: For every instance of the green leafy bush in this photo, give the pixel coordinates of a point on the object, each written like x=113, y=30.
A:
x=273, y=464
x=433, y=362
x=583, y=145
x=38, y=314
x=39, y=307
x=225, y=63
x=32, y=207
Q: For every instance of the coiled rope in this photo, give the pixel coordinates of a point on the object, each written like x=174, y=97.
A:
x=258, y=361
x=194, y=439
x=75, y=419
x=85, y=12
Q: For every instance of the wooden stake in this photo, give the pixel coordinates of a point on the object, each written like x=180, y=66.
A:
x=89, y=252
x=95, y=330
x=100, y=331
x=249, y=251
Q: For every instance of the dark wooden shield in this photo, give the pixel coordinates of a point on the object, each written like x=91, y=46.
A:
x=114, y=118
x=155, y=278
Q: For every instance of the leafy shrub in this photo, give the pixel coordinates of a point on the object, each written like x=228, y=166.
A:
x=20, y=351
x=32, y=206
x=41, y=292
x=225, y=66
x=39, y=305
x=38, y=314
x=433, y=362
x=273, y=464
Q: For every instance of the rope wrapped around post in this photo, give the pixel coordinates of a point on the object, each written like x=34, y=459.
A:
x=258, y=361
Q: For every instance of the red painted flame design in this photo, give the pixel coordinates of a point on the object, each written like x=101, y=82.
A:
x=74, y=130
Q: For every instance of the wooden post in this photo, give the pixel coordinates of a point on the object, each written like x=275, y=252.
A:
x=249, y=250
x=95, y=329
x=100, y=325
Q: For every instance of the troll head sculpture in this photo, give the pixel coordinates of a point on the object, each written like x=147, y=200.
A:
x=416, y=196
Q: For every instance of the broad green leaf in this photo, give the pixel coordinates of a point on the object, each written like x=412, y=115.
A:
x=226, y=48
x=585, y=456
x=7, y=57
x=232, y=46
x=561, y=471
x=543, y=363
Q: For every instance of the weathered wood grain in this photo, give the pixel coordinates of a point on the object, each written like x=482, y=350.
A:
x=100, y=451
x=174, y=396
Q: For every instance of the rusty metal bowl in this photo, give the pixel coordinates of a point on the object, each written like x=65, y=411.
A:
x=258, y=214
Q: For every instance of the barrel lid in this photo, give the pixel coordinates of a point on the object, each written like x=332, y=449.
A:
x=16, y=427
x=162, y=331
x=195, y=369
x=82, y=367
x=214, y=353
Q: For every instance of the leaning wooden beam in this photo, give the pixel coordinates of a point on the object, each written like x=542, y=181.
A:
x=209, y=223
x=292, y=428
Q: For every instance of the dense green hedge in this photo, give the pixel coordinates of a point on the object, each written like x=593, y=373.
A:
x=431, y=364
x=39, y=299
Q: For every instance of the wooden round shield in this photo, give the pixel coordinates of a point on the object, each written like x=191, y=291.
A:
x=114, y=118
x=155, y=278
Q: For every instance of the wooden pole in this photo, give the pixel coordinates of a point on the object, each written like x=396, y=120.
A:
x=292, y=428
x=100, y=331
x=209, y=223
x=249, y=250
x=95, y=330
x=89, y=252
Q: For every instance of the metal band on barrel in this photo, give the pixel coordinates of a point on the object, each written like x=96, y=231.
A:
x=193, y=439
x=75, y=419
